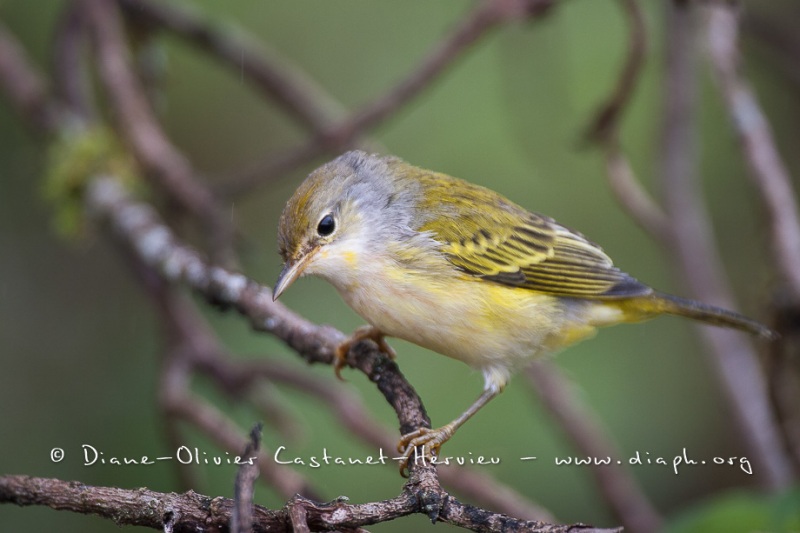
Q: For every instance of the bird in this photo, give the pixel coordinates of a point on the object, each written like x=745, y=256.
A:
x=460, y=270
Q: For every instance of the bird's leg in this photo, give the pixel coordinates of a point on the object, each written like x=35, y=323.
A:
x=432, y=439
x=363, y=333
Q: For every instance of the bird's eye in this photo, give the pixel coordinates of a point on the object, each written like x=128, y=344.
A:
x=326, y=226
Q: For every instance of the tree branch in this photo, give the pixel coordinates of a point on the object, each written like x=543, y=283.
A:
x=242, y=519
x=605, y=123
x=160, y=158
x=604, y=130
x=356, y=419
x=616, y=485
x=631, y=196
x=767, y=169
x=487, y=15
x=184, y=513
x=290, y=87
x=190, y=342
x=693, y=247
x=189, y=512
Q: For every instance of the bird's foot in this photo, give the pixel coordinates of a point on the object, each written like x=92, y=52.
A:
x=363, y=333
x=426, y=439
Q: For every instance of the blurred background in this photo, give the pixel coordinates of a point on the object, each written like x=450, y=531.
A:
x=81, y=344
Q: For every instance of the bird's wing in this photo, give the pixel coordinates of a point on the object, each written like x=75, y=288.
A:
x=501, y=242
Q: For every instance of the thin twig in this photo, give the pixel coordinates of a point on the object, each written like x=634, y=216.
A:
x=604, y=130
x=242, y=519
x=293, y=89
x=620, y=491
x=358, y=421
x=225, y=434
x=605, y=123
x=139, y=126
x=630, y=194
x=299, y=518
x=767, y=169
x=482, y=19
x=190, y=341
x=696, y=257
x=487, y=15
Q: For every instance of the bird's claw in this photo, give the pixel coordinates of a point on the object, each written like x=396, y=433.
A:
x=429, y=440
x=362, y=333
x=340, y=359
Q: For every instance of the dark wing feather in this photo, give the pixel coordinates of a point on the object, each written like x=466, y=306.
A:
x=485, y=235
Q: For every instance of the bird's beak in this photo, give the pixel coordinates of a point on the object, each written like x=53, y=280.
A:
x=292, y=270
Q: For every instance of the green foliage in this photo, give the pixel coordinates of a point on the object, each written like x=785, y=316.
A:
x=743, y=511
x=74, y=158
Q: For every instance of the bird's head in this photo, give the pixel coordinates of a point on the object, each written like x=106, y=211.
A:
x=340, y=214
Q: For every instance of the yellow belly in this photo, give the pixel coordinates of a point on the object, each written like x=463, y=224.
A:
x=489, y=326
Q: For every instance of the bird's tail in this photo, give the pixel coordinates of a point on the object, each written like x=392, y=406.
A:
x=658, y=303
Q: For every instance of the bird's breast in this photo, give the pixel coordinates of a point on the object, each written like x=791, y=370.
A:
x=481, y=323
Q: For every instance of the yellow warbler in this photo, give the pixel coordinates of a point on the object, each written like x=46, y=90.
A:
x=460, y=270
